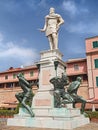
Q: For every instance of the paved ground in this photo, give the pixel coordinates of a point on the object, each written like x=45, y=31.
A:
x=3, y=126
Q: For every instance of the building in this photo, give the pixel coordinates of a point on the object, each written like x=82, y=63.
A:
x=9, y=84
x=92, y=67
x=87, y=68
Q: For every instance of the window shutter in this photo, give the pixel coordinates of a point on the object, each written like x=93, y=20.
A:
x=96, y=63
x=95, y=44
x=97, y=81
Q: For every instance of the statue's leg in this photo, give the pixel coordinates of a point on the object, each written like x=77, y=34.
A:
x=83, y=107
x=75, y=98
x=25, y=87
x=74, y=104
x=57, y=99
x=50, y=42
x=83, y=101
x=27, y=107
x=55, y=40
x=67, y=98
x=19, y=97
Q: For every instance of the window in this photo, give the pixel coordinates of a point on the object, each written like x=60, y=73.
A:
x=96, y=63
x=14, y=76
x=76, y=67
x=6, y=76
x=95, y=44
x=1, y=85
x=97, y=81
x=31, y=73
x=16, y=84
x=9, y=85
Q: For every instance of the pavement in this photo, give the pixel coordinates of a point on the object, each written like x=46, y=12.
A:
x=3, y=126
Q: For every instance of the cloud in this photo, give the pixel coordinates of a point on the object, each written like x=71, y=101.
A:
x=35, y=3
x=76, y=28
x=70, y=7
x=73, y=9
x=81, y=27
x=84, y=10
x=32, y=4
x=43, y=3
x=16, y=53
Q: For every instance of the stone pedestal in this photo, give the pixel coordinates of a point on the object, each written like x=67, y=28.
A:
x=44, y=97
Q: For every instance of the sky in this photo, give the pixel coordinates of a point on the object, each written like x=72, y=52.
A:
x=20, y=40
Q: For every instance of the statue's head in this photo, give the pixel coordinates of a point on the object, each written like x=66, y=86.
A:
x=79, y=79
x=52, y=10
x=20, y=75
x=65, y=78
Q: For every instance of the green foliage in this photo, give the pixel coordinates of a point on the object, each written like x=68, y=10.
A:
x=5, y=112
x=92, y=114
x=16, y=111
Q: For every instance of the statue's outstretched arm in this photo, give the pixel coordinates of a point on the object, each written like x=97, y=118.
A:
x=45, y=26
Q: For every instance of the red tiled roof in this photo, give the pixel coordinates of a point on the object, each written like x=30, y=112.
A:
x=11, y=69
x=75, y=60
x=91, y=37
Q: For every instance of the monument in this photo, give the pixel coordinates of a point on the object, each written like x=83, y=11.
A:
x=51, y=106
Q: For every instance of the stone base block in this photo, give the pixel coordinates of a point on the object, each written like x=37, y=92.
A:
x=60, y=118
x=57, y=112
x=48, y=123
x=51, y=53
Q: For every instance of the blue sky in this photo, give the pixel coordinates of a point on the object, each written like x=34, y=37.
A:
x=21, y=41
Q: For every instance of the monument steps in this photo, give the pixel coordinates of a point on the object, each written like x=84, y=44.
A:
x=61, y=118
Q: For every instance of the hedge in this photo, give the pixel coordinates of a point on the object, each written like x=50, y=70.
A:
x=9, y=113
x=92, y=114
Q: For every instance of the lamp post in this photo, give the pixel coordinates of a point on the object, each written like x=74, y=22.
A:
x=56, y=65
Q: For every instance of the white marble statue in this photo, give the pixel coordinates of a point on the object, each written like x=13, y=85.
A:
x=51, y=28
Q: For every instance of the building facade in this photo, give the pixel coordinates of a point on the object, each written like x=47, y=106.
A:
x=92, y=66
